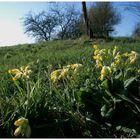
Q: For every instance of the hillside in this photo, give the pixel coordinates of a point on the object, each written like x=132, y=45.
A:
x=80, y=100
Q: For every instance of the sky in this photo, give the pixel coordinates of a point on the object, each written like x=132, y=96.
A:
x=12, y=29
x=11, y=26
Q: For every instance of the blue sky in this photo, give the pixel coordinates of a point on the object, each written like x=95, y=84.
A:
x=11, y=27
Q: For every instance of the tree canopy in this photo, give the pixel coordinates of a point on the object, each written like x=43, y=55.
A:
x=103, y=16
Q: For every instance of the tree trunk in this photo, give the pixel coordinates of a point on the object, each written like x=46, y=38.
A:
x=86, y=20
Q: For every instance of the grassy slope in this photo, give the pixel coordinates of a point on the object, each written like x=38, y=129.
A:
x=56, y=53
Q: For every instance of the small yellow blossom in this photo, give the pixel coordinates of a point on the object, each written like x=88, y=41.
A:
x=125, y=54
x=95, y=57
x=20, y=121
x=23, y=127
x=96, y=52
x=95, y=46
x=18, y=131
x=55, y=74
x=9, y=71
x=106, y=71
x=102, y=52
x=138, y=70
x=98, y=65
x=14, y=78
x=118, y=56
x=132, y=57
x=101, y=77
x=74, y=66
x=14, y=71
x=24, y=68
x=63, y=73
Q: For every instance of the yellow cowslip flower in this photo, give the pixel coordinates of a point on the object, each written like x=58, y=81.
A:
x=25, y=71
x=98, y=57
x=96, y=52
x=133, y=53
x=125, y=54
x=95, y=57
x=138, y=70
x=63, y=73
x=132, y=60
x=24, y=68
x=106, y=71
x=55, y=74
x=18, y=131
x=74, y=66
x=95, y=46
x=115, y=64
x=22, y=72
x=118, y=56
x=9, y=71
x=14, y=78
x=102, y=51
x=132, y=57
x=23, y=127
x=20, y=121
x=14, y=71
x=115, y=50
x=101, y=77
x=98, y=61
x=98, y=65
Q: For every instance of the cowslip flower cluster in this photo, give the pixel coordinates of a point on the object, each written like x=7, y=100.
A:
x=23, y=72
x=23, y=128
x=109, y=61
x=64, y=72
x=98, y=56
x=132, y=57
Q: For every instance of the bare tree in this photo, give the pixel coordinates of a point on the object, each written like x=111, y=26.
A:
x=66, y=16
x=39, y=26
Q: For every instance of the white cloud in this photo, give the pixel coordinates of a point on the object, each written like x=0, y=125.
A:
x=11, y=33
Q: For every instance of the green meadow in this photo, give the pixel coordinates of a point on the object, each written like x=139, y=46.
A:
x=77, y=103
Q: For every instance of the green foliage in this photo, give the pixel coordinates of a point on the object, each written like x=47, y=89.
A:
x=103, y=16
x=80, y=105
